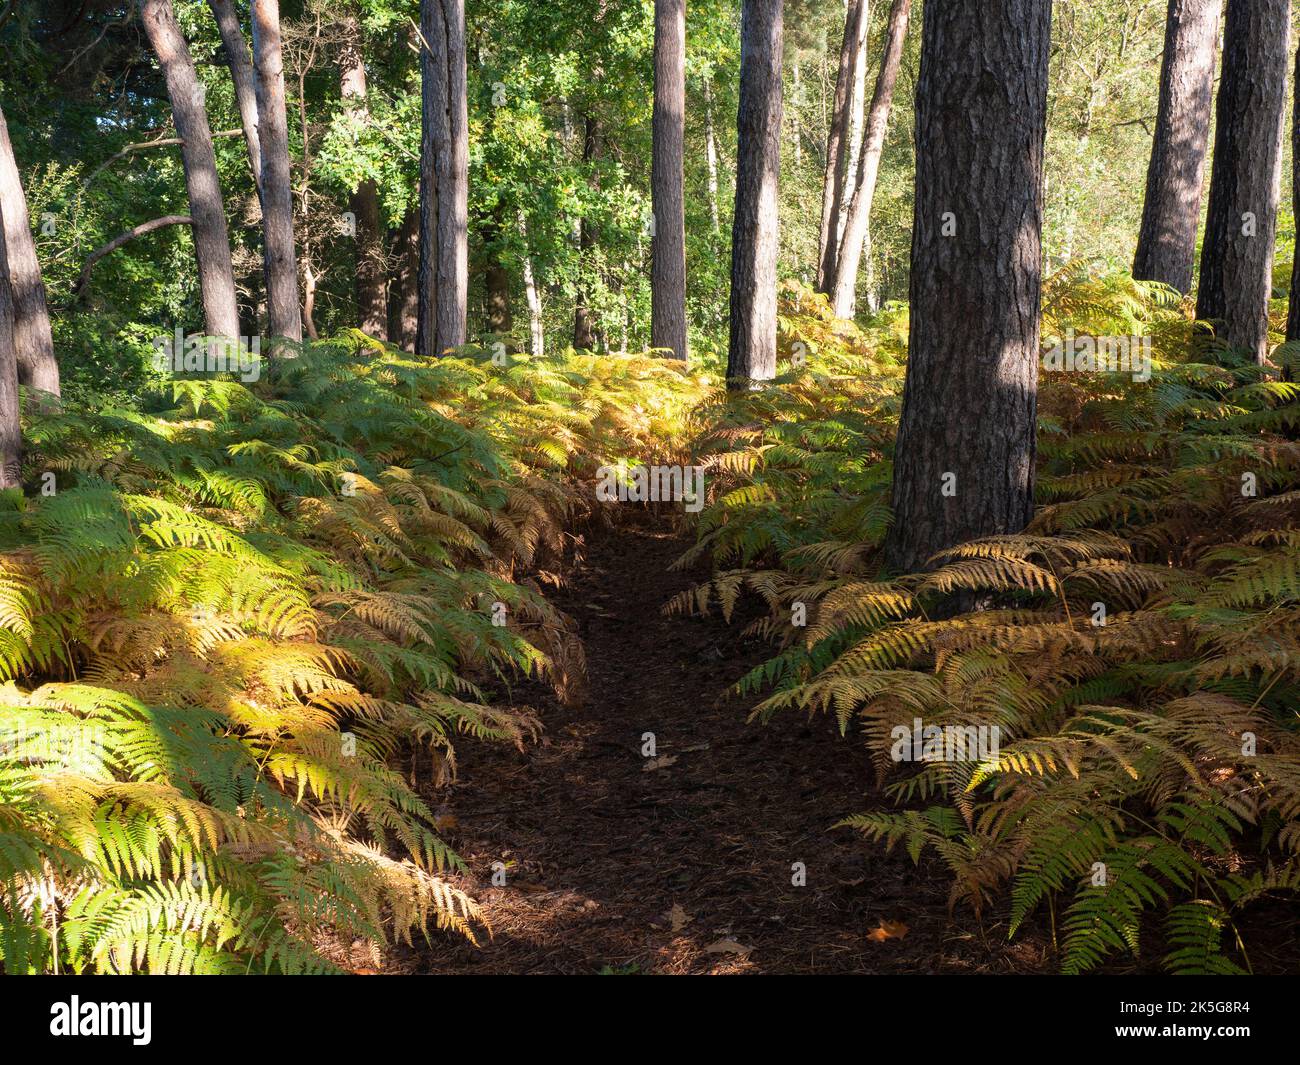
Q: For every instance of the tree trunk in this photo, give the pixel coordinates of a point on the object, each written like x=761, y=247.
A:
x=857, y=223
x=444, y=179
x=964, y=458
x=240, y=61
x=536, y=333
x=668, y=247
x=751, y=356
x=711, y=155
x=1293, y=304
x=211, y=238
x=32, y=339
x=372, y=314
x=279, y=255
x=11, y=431
x=586, y=334
x=404, y=288
x=496, y=280
x=1166, y=246
x=855, y=23
x=1237, y=252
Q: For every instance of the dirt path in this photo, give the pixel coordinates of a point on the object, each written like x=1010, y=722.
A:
x=602, y=854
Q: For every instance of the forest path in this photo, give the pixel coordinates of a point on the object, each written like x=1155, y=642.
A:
x=603, y=856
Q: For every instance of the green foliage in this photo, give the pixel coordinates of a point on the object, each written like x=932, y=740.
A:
x=233, y=613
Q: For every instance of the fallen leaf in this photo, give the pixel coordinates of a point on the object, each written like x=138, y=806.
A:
x=677, y=918
x=887, y=930
x=727, y=946
x=659, y=763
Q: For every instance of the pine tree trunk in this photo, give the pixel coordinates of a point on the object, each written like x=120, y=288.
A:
x=1293, y=304
x=211, y=238
x=1241, y=221
x=845, y=283
x=370, y=264
x=668, y=248
x=444, y=179
x=33, y=342
x=240, y=61
x=1166, y=248
x=964, y=458
x=751, y=356
x=496, y=280
x=404, y=286
x=11, y=431
x=585, y=331
x=855, y=22
x=279, y=255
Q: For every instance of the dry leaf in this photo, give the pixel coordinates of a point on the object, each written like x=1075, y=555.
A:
x=727, y=946
x=659, y=763
x=677, y=918
x=887, y=930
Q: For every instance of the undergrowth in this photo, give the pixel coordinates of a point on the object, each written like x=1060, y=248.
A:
x=1136, y=647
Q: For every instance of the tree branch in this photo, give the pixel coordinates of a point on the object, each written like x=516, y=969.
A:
x=123, y=238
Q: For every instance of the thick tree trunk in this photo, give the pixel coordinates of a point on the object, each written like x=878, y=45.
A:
x=857, y=222
x=1237, y=252
x=444, y=179
x=372, y=314
x=855, y=23
x=586, y=333
x=240, y=61
x=404, y=286
x=1166, y=248
x=964, y=459
x=211, y=238
x=11, y=431
x=751, y=356
x=278, y=252
x=33, y=341
x=668, y=250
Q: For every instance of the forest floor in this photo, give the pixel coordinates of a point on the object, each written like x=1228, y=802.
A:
x=618, y=864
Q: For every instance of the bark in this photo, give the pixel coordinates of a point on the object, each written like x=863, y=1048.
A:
x=964, y=458
x=211, y=238
x=125, y=238
x=536, y=333
x=240, y=61
x=11, y=432
x=496, y=280
x=1293, y=304
x=33, y=342
x=444, y=179
x=1237, y=252
x=1166, y=248
x=668, y=248
x=751, y=356
x=404, y=288
x=855, y=22
x=586, y=333
x=858, y=220
x=280, y=260
x=371, y=269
